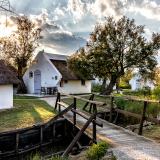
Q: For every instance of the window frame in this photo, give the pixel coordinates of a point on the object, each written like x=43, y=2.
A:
x=31, y=74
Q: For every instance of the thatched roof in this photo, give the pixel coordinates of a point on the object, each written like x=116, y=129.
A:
x=67, y=73
x=6, y=75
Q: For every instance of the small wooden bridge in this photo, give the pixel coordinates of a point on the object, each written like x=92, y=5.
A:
x=126, y=145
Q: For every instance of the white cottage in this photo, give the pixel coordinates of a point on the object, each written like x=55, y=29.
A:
x=137, y=82
x=7, y=80
x=50, y=70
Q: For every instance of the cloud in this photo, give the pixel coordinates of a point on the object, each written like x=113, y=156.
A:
x=64, y=42
x=56, y=36
x=66, y=24
x=149, y=9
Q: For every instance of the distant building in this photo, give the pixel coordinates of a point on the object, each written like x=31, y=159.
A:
x=7, y=81
x=51, y=70
x=137, y=82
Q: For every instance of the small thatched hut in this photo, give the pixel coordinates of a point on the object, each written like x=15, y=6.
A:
x=7, y=80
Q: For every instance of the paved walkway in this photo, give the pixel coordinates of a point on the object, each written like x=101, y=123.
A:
x=126, y=144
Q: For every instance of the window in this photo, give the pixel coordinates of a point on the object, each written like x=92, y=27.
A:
x=31, y=74
x=56, y=77
x=83, y=82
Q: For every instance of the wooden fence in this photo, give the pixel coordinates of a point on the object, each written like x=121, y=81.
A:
x=73, y=108
x=142, y=117
x=21, y=141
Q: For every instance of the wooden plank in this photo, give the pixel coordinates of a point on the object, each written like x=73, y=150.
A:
x=94, y=131
x=91, y=98
x=98, y=123
x=59, y=115
x=57, y=100
x=143, y=118
x=63, y=104
x=41, y=135
x=126, y=113
x=74, y=113
x=17, y=143
x=86, y=100
x=77, y=137
x=130, y=98
x=111, y=109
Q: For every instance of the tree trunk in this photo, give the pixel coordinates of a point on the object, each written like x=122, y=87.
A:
x=109, y=88
x=20, y=72
x=21, y=87
x=117, y=85
x=103, y=87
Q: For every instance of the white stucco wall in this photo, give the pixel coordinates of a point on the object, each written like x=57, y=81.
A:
x=136, y=84
x=6, y=96
x=48, y=73
x=75, y=87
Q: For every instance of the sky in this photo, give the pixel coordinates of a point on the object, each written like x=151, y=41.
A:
x=66, y=24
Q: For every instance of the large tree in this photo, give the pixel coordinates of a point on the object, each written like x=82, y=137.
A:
x=18, y=48
x=115, y=47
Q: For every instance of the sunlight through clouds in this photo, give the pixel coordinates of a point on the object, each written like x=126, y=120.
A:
x=66, y=24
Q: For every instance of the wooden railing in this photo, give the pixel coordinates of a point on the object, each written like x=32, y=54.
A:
x=18, y=141
x=62, y=107
x=142, y=117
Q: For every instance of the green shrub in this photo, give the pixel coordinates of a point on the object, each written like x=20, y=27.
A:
x=120, y=102
x=97, y=151
x=35, y=157
x=156, y=92
x=96, y=87
x=124, y=85
x=145, y=91
x=58, y=158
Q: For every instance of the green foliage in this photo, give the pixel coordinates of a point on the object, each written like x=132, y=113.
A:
x=114, y=48
x=124, y=85
x=96, y=87
x=156, y=92
x=144, y=92
x=120, y=102
x=136, y=107
x=34, y=157
x=97, y=151
x=124, y=80
x=58, y=158
x=18, y=48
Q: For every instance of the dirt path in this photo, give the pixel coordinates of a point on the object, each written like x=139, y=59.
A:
x=126, y=144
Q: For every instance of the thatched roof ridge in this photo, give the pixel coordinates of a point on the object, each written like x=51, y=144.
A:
x=6, y=75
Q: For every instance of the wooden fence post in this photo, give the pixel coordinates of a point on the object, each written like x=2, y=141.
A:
x=74, y=114
x=143, y=118
x=41, y=135
x=94, y=124
x=57, y=100
x=111, y=109
x=59, y=106
x=17, y=142
x=91, y=98
x=76, y=138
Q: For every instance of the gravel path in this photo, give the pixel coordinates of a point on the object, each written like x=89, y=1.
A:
x=126, y=144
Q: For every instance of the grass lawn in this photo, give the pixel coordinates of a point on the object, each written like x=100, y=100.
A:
x=26, y=113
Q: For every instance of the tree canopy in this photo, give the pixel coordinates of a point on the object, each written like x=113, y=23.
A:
x=115, y=47
x=18, y=48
